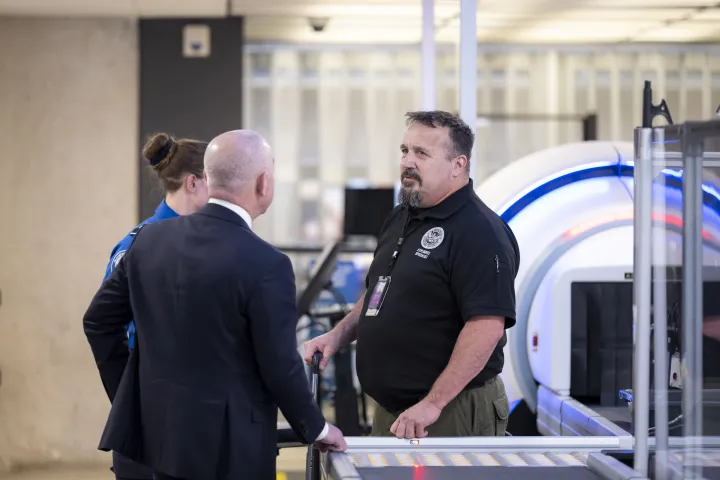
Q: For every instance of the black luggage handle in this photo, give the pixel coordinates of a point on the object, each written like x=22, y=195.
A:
x=312, y=462
x=287, y=437
x=315, y=373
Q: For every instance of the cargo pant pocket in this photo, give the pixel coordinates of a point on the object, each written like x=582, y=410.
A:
x=491, y=409
x=485, y=421
x=502, y=410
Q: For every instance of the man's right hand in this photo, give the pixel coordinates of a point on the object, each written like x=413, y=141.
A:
x=333, y=441
x=328, y=344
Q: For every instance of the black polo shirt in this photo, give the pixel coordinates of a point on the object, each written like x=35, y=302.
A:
x=457, y=260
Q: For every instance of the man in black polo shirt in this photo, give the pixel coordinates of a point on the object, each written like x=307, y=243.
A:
x=440, y=294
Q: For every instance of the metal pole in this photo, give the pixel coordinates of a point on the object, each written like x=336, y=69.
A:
x=692, y=296
x=468, y=70
x=642, y=283
x=428, y=56
x=660, y=332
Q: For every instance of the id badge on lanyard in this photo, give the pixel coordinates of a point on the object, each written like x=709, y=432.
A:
x=378, y=296
x=383, y=283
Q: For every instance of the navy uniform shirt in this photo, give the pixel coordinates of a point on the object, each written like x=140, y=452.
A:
x=457, y=260
x=162, y=212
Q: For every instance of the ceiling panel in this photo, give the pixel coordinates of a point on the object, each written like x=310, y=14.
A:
x=300, y=33
x=621, y=15
x=400, y=21
x=652, y=4
x=180, y=8
x=708, y=16
x=345, y=9
x=166, y=8
x=691, y=32
x=67, y=7
x=563, y=32
x=249, y=6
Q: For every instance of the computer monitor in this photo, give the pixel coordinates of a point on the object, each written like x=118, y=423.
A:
x=366, y=210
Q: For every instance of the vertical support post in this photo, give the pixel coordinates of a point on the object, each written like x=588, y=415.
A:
x=468, y=70
x=552, y=97
x=642, y=282
x=692, y=294
x=589, y=126
x=429, y=90
x=659, y=302
x=616, y=105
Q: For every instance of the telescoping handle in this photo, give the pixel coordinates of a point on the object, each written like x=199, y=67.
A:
x=312, y=463
x=317, y=356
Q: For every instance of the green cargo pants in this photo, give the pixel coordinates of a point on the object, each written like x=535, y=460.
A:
x=477, y=412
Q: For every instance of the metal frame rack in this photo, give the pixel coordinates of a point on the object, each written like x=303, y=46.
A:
x=651, y=157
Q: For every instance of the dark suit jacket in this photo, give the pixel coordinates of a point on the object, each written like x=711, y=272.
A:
x=216, y=350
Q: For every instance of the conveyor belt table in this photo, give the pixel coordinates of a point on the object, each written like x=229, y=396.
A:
x=558, y=458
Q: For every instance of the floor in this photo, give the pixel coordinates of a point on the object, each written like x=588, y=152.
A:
x=291, y=466
x=101, y=474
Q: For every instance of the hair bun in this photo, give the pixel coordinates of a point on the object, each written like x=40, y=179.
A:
x=157, y=148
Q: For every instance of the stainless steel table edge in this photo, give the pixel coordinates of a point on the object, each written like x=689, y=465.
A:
x=609, y=468
x=451, y=444
x=338, y=466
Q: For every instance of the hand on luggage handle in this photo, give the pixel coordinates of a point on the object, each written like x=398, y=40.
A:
x=317, y=356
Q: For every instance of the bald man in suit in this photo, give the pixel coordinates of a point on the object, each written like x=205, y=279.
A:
x=216, y=354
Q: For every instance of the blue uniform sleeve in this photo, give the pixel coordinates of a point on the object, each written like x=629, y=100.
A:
x=117, y=254
x=115, y=257
x=103, y=324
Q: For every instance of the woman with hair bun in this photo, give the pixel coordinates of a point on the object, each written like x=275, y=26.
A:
x=178, y=165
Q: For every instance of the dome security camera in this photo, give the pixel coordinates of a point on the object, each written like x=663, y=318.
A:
x=318, y=24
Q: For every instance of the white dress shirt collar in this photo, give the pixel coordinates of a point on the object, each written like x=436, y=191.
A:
x=235, y=208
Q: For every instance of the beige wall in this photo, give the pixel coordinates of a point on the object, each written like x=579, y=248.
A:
x=68, y=175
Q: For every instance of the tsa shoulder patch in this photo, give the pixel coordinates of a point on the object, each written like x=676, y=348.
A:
x=116, y=259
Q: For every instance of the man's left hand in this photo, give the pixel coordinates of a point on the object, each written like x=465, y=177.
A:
x=412, y=422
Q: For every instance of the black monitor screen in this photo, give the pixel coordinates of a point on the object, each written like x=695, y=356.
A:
x=366, y=210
